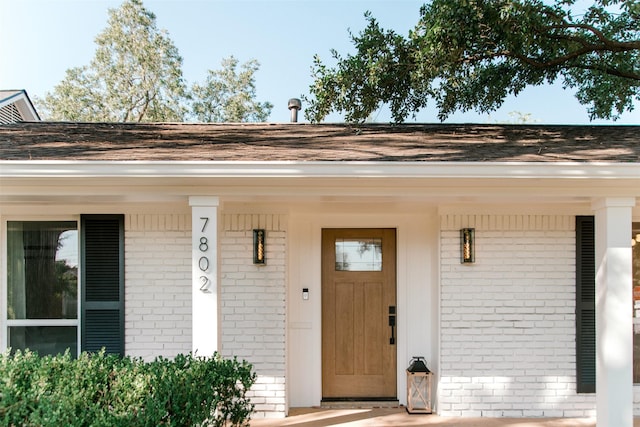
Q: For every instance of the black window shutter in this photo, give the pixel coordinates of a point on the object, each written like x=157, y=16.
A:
x=102, y=301
x=585, y=305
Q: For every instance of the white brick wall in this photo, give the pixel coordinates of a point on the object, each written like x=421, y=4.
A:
x=253, y=305
x=158, y=296
x=158, y=285
x=508, y=321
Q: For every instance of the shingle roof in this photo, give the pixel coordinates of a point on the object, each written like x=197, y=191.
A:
x=323, y=142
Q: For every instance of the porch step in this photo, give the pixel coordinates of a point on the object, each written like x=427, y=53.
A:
x=359, y=404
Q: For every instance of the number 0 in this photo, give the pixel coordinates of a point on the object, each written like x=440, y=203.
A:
x=203, y=263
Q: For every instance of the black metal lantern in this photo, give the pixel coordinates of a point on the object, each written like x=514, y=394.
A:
x=258, y=246
x=419, y=387
x=467, y=245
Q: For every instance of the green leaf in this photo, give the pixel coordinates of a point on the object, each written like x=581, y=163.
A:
x=472, y=54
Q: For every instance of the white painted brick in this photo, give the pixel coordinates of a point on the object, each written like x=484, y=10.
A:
x=253, y=305
x=158, y=285
x=508, y=322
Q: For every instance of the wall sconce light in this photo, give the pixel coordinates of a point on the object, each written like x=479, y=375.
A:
x=467, y=245
x=258, y=246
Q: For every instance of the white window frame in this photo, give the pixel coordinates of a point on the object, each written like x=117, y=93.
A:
x=5, y=323
x=634, y=221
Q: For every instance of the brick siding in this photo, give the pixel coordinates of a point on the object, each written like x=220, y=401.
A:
x=158, y=296
x=508, y=321
x=253, y=306
x=158, y=285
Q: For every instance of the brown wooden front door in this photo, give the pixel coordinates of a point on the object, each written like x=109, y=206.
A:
x=358, y=298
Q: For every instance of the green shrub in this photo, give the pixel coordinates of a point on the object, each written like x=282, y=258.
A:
x=107, y=390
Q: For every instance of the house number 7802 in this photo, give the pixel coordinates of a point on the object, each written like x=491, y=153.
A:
x=203, y=262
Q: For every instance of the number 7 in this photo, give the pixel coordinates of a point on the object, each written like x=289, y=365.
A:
x=206, y=221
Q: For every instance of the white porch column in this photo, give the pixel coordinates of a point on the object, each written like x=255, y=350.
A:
x=614, y=318
x=204, y=276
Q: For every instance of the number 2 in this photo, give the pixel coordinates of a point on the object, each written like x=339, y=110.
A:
x=205, y=284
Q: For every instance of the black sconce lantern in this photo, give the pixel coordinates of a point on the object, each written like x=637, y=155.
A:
x=467, y=245
x=258, y=246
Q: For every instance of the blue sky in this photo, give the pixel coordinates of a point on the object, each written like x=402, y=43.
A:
x=40, y=39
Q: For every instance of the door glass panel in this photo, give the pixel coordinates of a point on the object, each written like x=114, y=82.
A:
x=359, y=254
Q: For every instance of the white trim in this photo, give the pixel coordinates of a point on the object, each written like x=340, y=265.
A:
x=304, y=332
x=614, y=319
x=204, y=201
x=5, y=323
x=44, y=322
x=4, y=283
x=613, y=202
x=205, y=324
x=324, y=169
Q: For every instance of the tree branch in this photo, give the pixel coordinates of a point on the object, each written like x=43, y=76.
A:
x=565, y=59
x=609, y=70
x=611, y=44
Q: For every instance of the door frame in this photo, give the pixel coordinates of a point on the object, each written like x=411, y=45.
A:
x=417, y=275
x=390, y=232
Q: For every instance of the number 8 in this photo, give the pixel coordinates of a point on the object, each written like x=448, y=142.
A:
x=204, y=244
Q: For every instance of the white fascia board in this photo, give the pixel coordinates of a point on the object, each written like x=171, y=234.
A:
x=295, y=169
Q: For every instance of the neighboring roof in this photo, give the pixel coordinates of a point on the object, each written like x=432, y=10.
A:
x=8, y=94
x=323, y=142
x=16, y=106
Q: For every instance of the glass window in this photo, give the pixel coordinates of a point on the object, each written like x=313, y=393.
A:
x=42, y=285
x=359, y=254
x=44, y=339
x=635, y=247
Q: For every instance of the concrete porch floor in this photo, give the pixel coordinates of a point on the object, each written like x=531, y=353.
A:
x=397, y=417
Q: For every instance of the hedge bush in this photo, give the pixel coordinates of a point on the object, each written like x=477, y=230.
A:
x=108, y=390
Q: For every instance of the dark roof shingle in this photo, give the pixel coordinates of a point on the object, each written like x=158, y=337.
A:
x=323, y=142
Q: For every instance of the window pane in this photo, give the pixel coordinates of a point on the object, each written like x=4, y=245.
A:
x=46, y=340
x=359, y=254
x=635, y=243
x=42, y=270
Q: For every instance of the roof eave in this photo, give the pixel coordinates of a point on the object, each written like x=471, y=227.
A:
x=318, y=169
